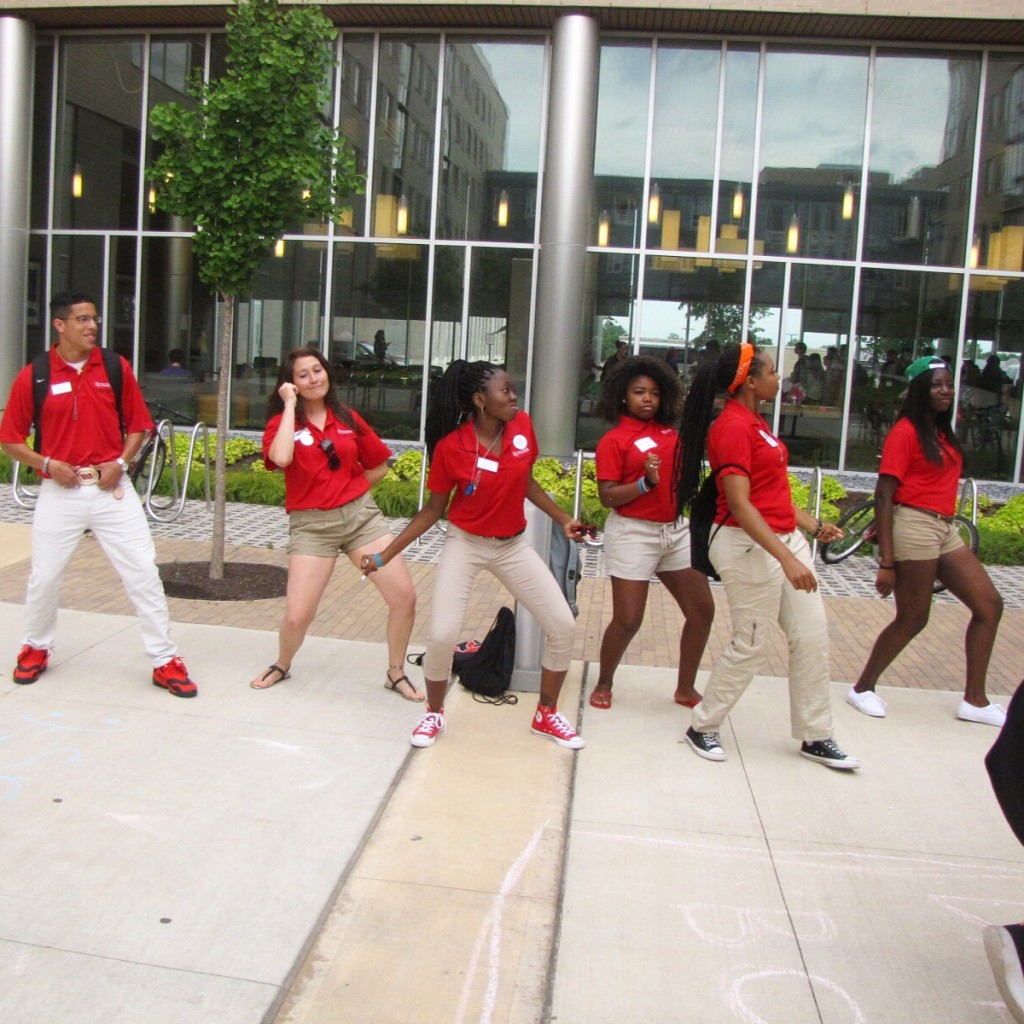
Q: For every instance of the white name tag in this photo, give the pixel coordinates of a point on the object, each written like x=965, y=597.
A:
x=490, y=465
x=768, y=437
x=61, y=389
x=645, y=444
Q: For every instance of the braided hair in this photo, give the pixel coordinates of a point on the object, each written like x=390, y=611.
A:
x=617, y=382
x=286, y=375
x=698, y=409
x=452, y=399
x=917, y=407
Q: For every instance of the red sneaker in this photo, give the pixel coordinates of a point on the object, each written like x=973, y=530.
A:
x=31, y=664
x=555, y=726
x=174, y=677
x=428, y=728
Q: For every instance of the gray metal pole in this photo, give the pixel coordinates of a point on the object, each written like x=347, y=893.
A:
x=568, y=170
x=17, y=51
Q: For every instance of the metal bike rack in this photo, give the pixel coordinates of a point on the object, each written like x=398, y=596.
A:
x=24, y=495
x=814, y=504
x=166, y=510
x=968, y=492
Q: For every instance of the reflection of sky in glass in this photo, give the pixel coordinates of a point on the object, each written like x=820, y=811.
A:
x=686, y=112
x=740, y=110
x=909, y=115
x=814, y=107
x=622, y=110
x=518, y=72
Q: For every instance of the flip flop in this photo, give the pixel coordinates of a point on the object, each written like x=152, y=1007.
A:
x=393, y=685
x=285, y=674
x=601, y=699
x=691, y=703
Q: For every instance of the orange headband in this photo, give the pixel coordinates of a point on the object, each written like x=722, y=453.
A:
x=746, y=358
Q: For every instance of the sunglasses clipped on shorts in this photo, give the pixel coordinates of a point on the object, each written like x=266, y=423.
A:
x=333, y=462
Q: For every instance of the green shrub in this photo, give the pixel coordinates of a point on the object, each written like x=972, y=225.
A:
x=396, y=497
x=253, y=488
x=831, y=492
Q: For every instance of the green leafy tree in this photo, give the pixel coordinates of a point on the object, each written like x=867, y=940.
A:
x=611, y=332
x=724, y=320
x=251, y=156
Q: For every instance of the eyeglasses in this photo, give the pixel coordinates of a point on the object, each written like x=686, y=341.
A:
x=83, y=320
x=333, y=462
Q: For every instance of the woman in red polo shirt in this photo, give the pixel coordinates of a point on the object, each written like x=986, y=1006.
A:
x=915, y=499
x=644, y=535
x=330, y=458
x=763, y=559
x=482, y=450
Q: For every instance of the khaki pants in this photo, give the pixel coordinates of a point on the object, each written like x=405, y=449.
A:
x=521, y=570
x=761, y=598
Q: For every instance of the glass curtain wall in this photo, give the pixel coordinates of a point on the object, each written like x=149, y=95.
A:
x=848, y=208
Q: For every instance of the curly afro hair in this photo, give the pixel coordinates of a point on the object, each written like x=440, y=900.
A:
x=616, y=384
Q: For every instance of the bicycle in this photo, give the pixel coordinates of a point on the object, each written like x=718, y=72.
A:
x=858, y=526
x=147, y=467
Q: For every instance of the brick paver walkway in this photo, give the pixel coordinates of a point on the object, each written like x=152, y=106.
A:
x=353, y=610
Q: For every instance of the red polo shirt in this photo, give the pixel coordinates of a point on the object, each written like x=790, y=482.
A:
x=495, y=506
x=921, y=482
x=621, y=455
x=80, y=423
x=309, y=482
x=742, y=437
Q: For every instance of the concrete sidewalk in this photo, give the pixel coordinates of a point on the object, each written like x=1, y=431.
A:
x=286, y=856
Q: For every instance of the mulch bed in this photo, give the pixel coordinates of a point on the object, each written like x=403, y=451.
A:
x=243, y=581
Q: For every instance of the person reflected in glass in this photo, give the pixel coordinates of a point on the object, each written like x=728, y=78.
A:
x=644, y=535
x=482, y=449
x=918, y=542
x=759, y=551
x=330, y=457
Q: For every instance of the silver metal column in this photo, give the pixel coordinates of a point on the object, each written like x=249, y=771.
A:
x=568, y=169
x=17, y=50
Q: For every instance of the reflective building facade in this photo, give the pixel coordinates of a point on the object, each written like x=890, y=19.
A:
x=851, y=199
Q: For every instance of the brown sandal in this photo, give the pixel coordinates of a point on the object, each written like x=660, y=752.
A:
x=394, y=684
x=284, y=673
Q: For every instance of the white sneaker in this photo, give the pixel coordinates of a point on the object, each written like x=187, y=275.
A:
x=868, y=703
x=990, y=714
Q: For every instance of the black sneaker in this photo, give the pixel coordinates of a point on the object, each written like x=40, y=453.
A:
x=827, y=752
x=705, y=744
x=1004, y=945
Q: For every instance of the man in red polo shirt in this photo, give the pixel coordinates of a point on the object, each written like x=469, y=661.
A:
x=82, y=462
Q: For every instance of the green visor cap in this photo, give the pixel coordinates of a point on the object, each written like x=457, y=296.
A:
x=918, y=366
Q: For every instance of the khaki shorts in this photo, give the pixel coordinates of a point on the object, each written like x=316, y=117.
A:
x=330, y=532
x=636, y=549
x=917, y=537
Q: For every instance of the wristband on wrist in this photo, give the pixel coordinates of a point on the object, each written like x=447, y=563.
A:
x=817, y=529
x=378, y=560
x=641, y=485
x=46, y=465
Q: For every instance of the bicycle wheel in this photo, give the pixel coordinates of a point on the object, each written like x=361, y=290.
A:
x=149, y=466
x=857, y=526
x=969, y=535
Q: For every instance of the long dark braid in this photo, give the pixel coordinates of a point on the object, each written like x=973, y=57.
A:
x=916, y=407
x=698, y=409
x=286, y=375
x=452, y=399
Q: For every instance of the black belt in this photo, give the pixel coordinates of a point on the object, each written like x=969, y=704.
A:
x=931, y=512
x=511, y=536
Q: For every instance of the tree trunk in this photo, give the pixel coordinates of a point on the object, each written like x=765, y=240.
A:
x=219, y=539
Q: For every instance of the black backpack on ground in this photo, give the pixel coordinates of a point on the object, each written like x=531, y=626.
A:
x=487, y=671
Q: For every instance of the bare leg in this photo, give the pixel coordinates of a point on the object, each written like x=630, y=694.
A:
x=692, y=593
x=967, y=580
x=550, y=686
x=629, y=600
x=308, y=576
x=396, y=587
x=913, y=596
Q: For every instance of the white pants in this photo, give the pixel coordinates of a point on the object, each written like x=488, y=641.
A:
x=761, y=599
x=525, y=575
x=61, y=517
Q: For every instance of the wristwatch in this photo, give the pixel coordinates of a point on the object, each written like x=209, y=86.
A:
x=123, y=465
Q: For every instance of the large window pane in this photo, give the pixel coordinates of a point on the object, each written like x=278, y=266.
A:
x=99, y=113
x=404, y=149
x=381, y=288
x=922, y=142
x=621, y=144
x=499, y=309
x=354, y=114
x=903, y=314
x=812, y=141
x=41, y=126
x=490, y=140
